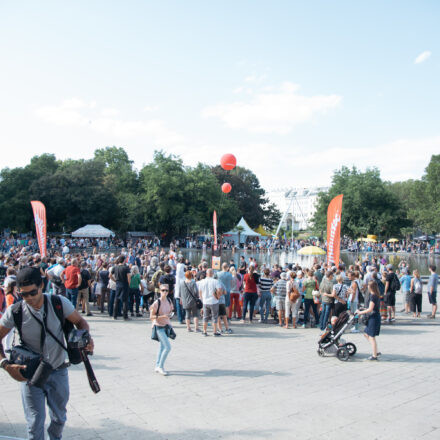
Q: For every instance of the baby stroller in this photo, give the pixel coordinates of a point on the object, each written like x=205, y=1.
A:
x=331, y=342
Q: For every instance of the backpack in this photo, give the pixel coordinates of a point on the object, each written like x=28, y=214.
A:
x=17, y=314
x=417, y=286
x=395, y=283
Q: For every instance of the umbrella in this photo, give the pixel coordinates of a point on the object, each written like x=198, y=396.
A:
x=369, y=240
x=393, y=240
x=311, y=250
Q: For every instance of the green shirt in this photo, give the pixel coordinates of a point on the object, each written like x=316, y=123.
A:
x=135, y=281
x=309, y=286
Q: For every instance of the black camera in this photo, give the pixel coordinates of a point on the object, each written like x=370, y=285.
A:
x=78, y=339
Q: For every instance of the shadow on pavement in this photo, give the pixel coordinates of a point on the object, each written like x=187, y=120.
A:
x=118, y=430
x=218, y=373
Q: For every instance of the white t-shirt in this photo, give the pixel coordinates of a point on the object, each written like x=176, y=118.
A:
x=207, y=287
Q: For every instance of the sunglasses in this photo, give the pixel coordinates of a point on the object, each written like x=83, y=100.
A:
x=30, y=293
x=164, y=290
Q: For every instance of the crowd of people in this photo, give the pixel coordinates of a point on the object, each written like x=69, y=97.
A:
x=156, y=283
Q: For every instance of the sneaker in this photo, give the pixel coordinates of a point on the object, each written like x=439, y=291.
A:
x=205, y=334
x=89, y=314
x=189, y=330
x=379, y=354
x=303, y=326
x=217, y=334
x=393, y=320
x=229, y=331
x=372, y=358
x=355, y=330
x=162, y=371
x=260, y=321
x=431, y=316
x=198, y=330
x=83, y=312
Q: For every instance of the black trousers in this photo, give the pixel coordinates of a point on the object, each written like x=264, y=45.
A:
x=121, y=298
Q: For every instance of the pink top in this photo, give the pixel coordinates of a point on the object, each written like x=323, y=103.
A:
x=165, y=309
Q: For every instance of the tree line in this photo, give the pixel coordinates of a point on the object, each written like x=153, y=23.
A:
x=374, y=206
x=164, y=197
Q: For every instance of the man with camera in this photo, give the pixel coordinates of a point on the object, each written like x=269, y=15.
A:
x=43, y=347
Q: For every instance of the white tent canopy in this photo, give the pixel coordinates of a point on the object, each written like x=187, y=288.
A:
x=93, y=231
x=245, y=232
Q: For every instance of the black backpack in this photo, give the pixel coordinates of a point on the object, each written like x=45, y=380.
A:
x=73, y=353
x=395, y=283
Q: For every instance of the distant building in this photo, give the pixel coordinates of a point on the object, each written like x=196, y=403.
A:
x=298, y=204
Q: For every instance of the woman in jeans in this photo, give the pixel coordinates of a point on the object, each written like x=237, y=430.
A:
x=160, y=314
x=188, y=295
x=250, y=293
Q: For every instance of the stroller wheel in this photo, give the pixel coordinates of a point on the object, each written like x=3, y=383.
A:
x=321, y=352
x=351, y=348
x=343, y=354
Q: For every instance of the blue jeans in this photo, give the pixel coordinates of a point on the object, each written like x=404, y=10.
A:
x=135, y=298
x=72, y=294
x=164, y=348
x=180, y=310
x=249, y=298
x=307, y=304
x=265, y=301
x=56, y=392
x=325, y=313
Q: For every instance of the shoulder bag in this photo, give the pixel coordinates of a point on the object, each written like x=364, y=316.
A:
x=198, y=301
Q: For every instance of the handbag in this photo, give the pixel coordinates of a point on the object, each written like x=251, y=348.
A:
x=199, y=302
x=294, y=295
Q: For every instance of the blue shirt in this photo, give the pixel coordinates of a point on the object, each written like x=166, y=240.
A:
x=405, y=282
x=225, y=278
x=433, y=282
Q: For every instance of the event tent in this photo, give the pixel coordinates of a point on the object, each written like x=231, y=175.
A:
x=243, y=229
x=93, y=231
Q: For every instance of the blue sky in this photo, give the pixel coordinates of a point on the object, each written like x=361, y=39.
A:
x=293, y=89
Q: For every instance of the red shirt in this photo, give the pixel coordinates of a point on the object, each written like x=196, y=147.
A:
x=250, y=286
x=71, y=275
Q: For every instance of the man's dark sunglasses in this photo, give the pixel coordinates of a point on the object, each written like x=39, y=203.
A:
x=30, y=293
x=164, y=290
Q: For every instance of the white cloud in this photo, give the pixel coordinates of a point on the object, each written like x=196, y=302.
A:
x=272, y=112
x=422, y=57
x=150, y=108
x=78, y=113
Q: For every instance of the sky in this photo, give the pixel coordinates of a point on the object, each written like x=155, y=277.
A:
x=293, y=89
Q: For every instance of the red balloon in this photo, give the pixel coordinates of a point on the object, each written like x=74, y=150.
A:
x=226, y=187
x=228, y=162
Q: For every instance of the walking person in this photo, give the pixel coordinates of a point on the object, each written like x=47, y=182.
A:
x=372, y=328
x=160, y=313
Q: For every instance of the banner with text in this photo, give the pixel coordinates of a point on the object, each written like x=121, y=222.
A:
x=334, y=229
x=214, y=221
x=40, y=225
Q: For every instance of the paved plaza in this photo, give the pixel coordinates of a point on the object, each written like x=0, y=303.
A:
x=261, y=382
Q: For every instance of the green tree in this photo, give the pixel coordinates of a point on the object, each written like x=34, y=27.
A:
x=249, y=196
x=15, y=193
x=369, y=206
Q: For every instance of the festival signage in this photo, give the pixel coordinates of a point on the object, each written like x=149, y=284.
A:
x=40, y=225
x=214, y=221
x=334, y=229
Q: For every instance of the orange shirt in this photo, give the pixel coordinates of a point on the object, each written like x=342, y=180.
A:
x=71, y=275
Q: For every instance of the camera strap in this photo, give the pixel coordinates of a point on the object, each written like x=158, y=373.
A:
x=94, y=385
x=44, y=328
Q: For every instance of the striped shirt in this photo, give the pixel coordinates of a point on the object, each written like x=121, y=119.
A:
x=265, y=284
x=280, y=287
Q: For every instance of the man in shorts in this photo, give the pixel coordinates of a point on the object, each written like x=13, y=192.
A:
x=432, y=290
x=210, y=291
x=279, y=290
